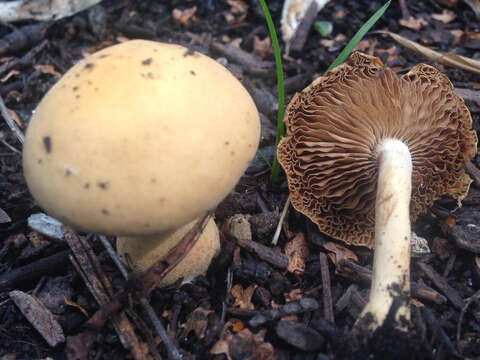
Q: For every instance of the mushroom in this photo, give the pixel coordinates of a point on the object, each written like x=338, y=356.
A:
x=367, y=152
x=139, y=139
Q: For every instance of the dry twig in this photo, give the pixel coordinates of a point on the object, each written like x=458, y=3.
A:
x=10, y=122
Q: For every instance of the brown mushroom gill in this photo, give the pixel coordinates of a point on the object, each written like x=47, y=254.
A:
x=335, y=125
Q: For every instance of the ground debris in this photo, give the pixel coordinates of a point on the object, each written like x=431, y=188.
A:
x=89, y=268
x=466, y=232
x=244, y=345
x=4, y=218
x=26, y=36
x=442, y=285
x=305, y=304
x=39, y=316
x=299, y=335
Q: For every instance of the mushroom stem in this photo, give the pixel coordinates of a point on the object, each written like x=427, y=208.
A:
x=143, y=251
x=391, y=262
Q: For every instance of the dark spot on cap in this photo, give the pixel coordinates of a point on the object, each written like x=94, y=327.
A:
x=89, y=66
x=227, y=142
x=147, y=61
x=153, y=180
x=147, y=225
x=103, y=56
x=77, y=96
x=96, y=88
x=39, y=161
x=75, y=88
x=47, y=142
x=149, y=75
x=105, y=212
x=193, y=72
x=232, y=153
x=102, y=185
x=86, y=186
x=77, y=75
x=89, y=82
x=68, y=172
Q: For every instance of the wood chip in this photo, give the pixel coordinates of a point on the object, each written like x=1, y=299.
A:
x=327, y=291
x=4, y=218
x=39, y=316
x=271, y=255
x=299, y=336
x=297, y=252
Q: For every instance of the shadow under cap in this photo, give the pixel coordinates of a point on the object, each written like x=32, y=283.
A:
x=335, y=124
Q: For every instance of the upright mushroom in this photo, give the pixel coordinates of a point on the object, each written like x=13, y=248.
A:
x=138, y=139
x=367, y=151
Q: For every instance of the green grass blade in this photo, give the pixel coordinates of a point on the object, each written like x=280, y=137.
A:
x=359, y=36
x=280, y=87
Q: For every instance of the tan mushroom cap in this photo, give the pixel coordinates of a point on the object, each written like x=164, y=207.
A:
x=335, y=124
x=138, y=138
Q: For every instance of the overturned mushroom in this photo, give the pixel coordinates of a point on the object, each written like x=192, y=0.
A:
x=367, y=151
x=139, y=139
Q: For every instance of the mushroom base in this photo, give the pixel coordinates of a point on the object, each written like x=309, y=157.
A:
x=142, y=252
x=391, y=262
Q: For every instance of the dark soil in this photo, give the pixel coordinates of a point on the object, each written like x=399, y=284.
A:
x=204, y=314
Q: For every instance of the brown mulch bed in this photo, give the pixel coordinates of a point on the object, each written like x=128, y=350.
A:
x=248, y=305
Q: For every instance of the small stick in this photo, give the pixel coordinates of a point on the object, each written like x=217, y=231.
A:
x=449, y=266
x=344, y=300
x=14, y=149
x=442, y=284
x=419, y=291
x=173, y=353
x=470, y=300
x=303, y=305
x=262, y=204
x=10, y=122
x=327, y=291
x=227, y=293
x=280, y=222
x=272, y=256
x=298, y=40
x=422, y=291
x=88, y=267
x=438, y=332
x=34, y=270
x=404, y=9
x=116, y=259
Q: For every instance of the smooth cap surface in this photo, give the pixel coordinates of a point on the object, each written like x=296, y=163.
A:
x=139, y=138
x=336, y=123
